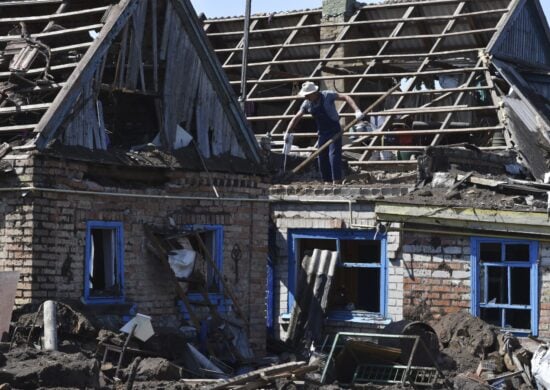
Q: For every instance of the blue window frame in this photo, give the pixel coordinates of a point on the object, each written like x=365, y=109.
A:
x=104, y=262
x=359, y=287
x=212, y=236
x=505, y=283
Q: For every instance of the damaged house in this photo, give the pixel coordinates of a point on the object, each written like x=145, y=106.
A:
x=445, y=203
x=122, y=144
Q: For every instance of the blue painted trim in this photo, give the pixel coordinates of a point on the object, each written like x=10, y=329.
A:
x=218, y=243
x=270, y=295
x=218, y=260
x=294, y=235
x=118, y=227
x=477, y=300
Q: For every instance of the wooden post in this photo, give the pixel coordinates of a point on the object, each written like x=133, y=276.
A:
x=50, y=326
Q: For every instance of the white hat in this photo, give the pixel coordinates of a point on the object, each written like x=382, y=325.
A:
x=307, y=88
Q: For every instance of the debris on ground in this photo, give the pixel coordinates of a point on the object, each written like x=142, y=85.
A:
x=458, y=351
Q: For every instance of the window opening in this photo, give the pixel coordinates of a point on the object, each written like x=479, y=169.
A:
x=104, y=261
x=359, y=281
x=505, y=283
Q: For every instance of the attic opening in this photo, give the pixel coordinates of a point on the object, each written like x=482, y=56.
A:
x=130, y=118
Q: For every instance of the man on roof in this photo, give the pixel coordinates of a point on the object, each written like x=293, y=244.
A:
x=320, y=104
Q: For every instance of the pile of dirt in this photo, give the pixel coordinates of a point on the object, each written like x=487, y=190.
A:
x=465, y=340
x=31, y=369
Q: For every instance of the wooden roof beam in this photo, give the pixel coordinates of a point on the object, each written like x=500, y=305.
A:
x=64, y=101
x=396, y=31
x=460, y=6
x=364, y=22
x=388, y=113
x=26, y=3
x=384, y=57
x=267, y=70
x=366, y=76
x=375, y=94
x=362, y=40
x=8, y=38
x=26, y=108
x=405, y=132
x=328, y=53
x=45, y=18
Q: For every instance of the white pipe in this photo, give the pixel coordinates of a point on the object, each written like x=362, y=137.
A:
x=50, y=326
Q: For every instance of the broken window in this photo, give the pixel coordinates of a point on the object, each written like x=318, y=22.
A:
x=212, y=238
x=505, y=283
x=358, y=289
x=104, y=271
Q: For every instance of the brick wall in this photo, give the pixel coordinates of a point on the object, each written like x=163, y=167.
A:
x=428, y=274
x=436, y=275
x=544, y=288
x=16, y=227
x=44, y=235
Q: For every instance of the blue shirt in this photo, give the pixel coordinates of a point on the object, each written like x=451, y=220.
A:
x=330, y=107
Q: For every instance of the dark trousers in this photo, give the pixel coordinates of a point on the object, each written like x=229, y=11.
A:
x=330, y=159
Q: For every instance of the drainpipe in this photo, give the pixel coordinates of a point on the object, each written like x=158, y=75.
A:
x=244, y=67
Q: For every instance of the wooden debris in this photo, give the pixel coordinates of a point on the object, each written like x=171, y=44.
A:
x=264, y=376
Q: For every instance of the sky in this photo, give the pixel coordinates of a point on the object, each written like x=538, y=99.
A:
x=217, y=8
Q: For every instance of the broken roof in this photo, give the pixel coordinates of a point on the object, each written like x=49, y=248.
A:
x=447, y=56
x=115, y=73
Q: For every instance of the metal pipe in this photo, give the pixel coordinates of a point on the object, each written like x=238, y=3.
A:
x=242, y=98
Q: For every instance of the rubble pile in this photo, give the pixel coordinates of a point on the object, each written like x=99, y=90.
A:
x=457, y=351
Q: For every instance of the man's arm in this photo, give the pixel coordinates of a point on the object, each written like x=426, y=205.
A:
x=351, y=102
x=294, y=121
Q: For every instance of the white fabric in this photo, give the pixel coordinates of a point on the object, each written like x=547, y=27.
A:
x=182, y=261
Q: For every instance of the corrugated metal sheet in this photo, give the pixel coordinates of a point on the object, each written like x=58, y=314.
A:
x=314, y=285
